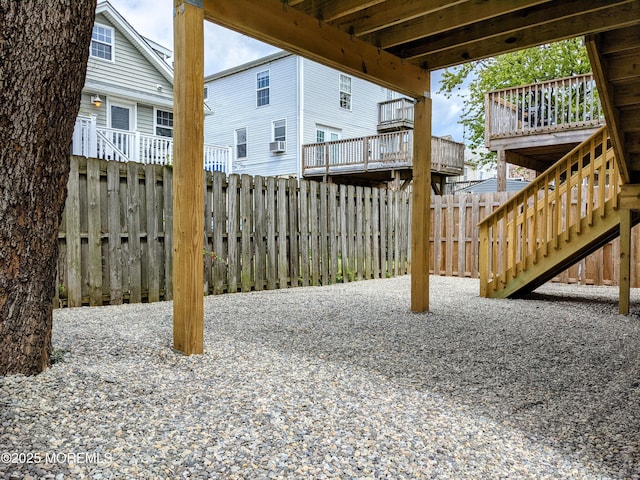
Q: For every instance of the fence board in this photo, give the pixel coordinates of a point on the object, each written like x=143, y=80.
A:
x=94, y=226
x=246, y=226
x=304, y=233
x=260, y=234
x=133, y=233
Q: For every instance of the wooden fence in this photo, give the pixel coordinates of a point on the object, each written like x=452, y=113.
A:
x=115, y=238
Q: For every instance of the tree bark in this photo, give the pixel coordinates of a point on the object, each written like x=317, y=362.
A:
x=44, y=47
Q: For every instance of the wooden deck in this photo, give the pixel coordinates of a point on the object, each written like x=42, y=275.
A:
x=539, y=123
x=395, y=115
x=385, y=152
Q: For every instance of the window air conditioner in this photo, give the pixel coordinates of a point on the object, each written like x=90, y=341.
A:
x=278, y=147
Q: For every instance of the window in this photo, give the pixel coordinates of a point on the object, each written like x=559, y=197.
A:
x=345, y=92
x=241, y=142
x=280, y=131
x=164, y=123
x=206, y=93
x=102, y=42
x=263, y=88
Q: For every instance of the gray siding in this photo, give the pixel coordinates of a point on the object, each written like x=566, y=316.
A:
x=130, y=68
x=131, y=75
x=145, y=119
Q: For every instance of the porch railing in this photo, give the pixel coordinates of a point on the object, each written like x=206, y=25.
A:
x=90, y=140
x=550, y=106
x=379, y=152
x=395, y=114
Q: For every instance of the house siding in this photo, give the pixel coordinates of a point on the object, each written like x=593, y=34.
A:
x=322, y=103
x=130, y=68
x=232, y=98
x=233, y=102
x=131, y=74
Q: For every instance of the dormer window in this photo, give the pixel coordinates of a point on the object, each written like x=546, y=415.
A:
x=102, y=42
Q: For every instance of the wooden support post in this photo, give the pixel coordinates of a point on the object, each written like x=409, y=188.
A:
x=188, y=179
x=502, y=171
x=625, y=261
x=421, y=209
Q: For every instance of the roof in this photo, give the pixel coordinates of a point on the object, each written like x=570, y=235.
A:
x=138, y=41
x=491, y=185
x=248, y=65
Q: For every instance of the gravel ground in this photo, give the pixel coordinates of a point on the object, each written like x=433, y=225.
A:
x=338, y=382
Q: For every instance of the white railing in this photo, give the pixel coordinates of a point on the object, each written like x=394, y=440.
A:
x=379, y=152
x=543, y=107
x=89, y=140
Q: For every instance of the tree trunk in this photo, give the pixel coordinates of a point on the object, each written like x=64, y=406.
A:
x=44, y=47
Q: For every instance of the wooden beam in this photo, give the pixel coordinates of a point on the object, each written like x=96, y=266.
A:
x=531, y=17
x=611, y=113
x=188, y=178
x=273, y=22
x=619, y=15
x=330, y=10
x=388, y=14
x=453, y=17
x=625, y=262
x=421, y=206
x=502, y=171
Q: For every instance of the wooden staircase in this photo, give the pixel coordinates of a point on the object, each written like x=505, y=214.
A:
x=567, y=213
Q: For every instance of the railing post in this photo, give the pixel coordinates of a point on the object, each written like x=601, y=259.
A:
x=483, y=260
x=229, y=160
x=136, y=148
x=92, y=138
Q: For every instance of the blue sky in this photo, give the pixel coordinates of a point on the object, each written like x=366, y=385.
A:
x=225, y=49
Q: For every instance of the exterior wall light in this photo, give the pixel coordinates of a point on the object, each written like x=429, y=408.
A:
x=96, y=101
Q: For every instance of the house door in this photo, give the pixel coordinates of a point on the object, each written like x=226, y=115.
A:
x=121, y=138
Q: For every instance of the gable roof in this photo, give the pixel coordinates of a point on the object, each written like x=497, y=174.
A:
x=248, y=65
x=137, y=40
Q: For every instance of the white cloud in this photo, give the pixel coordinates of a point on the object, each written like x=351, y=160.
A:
x=223, y=48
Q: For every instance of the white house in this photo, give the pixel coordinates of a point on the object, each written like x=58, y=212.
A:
x=126, y=109
x=267, y=109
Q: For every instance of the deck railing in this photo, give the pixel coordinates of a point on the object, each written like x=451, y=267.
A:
x=396, y=113
x=378, y=152
x=522, y=231
x=543, y=107
x=90, y=140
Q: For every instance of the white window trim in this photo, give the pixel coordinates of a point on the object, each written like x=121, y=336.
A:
x=155, y=121
x=268, y=71
x=235, y=143
x=113, y=45
x=350, y=93
x=273, y=129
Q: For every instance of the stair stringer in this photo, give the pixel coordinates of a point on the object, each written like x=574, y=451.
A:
x=604, y=228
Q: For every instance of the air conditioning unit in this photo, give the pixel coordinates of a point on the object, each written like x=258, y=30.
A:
x=278, y=147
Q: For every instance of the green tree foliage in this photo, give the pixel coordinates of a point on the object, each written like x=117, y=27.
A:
x=538, y=64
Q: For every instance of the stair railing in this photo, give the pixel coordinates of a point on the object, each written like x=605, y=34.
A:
x=557, y=205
